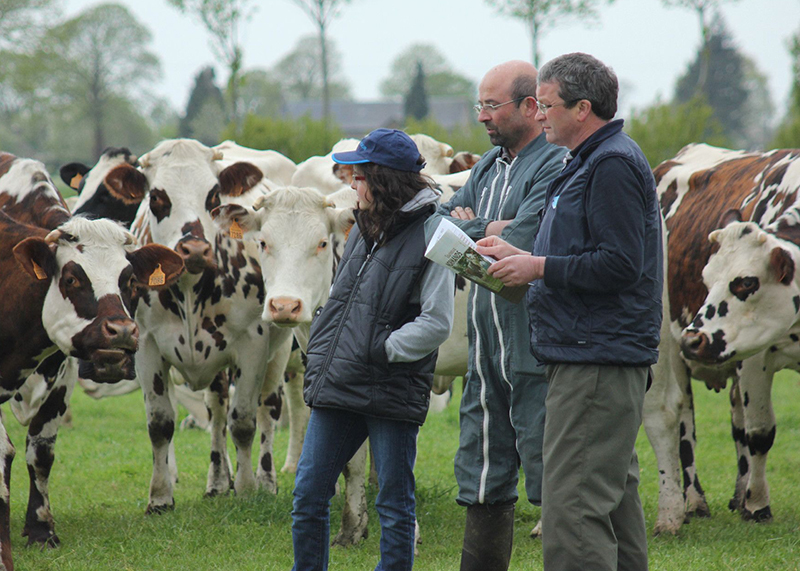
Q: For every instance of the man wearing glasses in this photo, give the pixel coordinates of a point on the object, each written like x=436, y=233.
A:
x=502, y=408
x=595, y=306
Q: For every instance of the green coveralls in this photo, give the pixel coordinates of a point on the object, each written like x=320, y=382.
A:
x=502, y=408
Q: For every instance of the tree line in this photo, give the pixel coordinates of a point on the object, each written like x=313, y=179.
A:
x=71, y=87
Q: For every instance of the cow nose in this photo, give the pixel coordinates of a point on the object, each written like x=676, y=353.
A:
x=196, y=254
x=285, y=309
x=693, y=344
x=121, y=333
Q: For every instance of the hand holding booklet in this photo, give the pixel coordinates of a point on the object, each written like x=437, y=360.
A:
x=451, y=247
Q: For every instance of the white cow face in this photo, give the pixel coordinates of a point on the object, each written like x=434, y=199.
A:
x=438, y=156
x=753, y=298
x=295, y=230
x=183, y=191
x=94, y=273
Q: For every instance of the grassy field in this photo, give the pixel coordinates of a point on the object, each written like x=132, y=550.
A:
x=102, y=471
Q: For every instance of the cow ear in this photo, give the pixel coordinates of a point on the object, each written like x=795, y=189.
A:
x=73, y=173
x=729, y=217
x=463, y=161
x=126, y=183
x=238, y=178
x=341, y=220
x=235, y=220
x=156, y=266
x=343, y=172
x=36, y=258
x=782, y=265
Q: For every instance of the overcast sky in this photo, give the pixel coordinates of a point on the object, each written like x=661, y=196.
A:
x=648, y=45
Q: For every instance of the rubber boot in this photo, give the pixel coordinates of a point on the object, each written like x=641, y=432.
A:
x=488, y=537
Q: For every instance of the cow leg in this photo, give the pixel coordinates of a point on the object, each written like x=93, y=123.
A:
x=742, y=455
x=216, y=402
x=354, y=514
x=270, y=403
x=40, y=454
x=7, y=453
x=663, y=405
x=755, y=386
x=696, y=505
x=154, y=379
x=242, y=418
x=298, y=412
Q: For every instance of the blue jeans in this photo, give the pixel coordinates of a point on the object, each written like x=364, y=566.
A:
x=333, y=436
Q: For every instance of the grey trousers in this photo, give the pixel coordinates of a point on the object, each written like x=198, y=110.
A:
x=592, y=516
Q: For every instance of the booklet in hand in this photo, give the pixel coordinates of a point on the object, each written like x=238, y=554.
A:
x=451, y=247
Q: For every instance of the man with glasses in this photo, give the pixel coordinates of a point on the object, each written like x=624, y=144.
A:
x=595, y=307
x=502, y=408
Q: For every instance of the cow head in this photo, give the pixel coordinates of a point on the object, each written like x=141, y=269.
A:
x=753, y=297
x=112, y=189
x=438, y=156
x=183, y=192
x=295, y=230
x=94, y=273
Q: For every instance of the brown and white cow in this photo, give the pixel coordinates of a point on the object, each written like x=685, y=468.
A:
x=731, y=306
x=67, y=286
x=207, y=324
x=113, y=188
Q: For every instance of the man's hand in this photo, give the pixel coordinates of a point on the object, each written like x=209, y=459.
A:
x=518, y=269
x=462, y=213
x=497, y=248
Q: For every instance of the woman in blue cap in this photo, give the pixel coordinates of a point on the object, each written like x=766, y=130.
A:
x=372, y=351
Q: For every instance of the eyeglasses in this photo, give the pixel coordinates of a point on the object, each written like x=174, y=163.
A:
x=544, y=107
x=494, y=107
x=359, y=177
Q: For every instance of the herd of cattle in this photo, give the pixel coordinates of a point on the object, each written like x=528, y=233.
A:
x=198, y=269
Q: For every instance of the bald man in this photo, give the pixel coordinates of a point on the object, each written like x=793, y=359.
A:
x=502, y=408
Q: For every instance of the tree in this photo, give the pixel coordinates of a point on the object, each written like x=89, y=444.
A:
x=223, y=19
x=705, y=10
x=260, y=93
x=322, y=12
x=297, y=139
x=440, y=79
x=22, y=21
x=95, y=62
x=727, y=87
x=788, y=133
x=301, y=72
x=416, y=102
x=205, y=111
x=538, y=15
x=663, y=129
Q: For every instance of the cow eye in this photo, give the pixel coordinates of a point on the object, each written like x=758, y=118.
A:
x=322, y=245
x=263, y=245
x=71, y=281
x=749, y=283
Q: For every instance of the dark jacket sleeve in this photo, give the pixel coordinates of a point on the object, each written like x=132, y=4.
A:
x=615, y=205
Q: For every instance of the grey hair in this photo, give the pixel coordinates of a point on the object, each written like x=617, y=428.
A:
x=523, y=86
x=581, y=76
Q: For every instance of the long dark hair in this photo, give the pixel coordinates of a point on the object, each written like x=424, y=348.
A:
x=390, y=189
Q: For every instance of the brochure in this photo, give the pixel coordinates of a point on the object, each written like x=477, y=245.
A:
x=451, y=247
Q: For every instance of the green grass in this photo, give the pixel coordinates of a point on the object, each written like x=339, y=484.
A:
x=102, y=472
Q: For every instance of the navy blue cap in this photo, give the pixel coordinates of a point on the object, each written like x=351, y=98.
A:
x=386, y=147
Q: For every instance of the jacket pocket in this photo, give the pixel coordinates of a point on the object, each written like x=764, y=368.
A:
x=377, y=348
x=569, y=321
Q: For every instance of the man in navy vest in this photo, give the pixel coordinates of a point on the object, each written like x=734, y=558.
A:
x=595, y=308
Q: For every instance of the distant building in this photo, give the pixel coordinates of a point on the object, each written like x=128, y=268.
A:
x=357, y=119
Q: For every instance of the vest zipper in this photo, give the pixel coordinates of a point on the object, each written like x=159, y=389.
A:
x=342, y=321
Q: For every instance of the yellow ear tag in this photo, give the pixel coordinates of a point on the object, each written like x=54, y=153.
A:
x=76, y=181
x=37, y=269
x=236, y=231
x=157, y=278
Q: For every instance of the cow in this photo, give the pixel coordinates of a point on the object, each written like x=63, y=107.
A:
x=208, y=325
x=276, y=167
x=113, y=188
x=731, y=306
x=67, y=286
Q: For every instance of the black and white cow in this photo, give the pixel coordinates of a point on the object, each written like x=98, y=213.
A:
x=205, y=325
x=67, y=286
